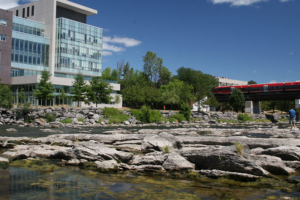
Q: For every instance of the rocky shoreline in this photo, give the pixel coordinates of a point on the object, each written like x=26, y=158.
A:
x=202, y=151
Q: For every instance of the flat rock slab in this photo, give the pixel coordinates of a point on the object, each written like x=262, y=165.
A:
x=286, y=153
x=218, y=173
x=4, y=160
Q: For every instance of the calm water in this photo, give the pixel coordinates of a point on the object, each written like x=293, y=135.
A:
x=72, y=183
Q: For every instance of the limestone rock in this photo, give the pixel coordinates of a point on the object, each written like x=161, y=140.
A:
x=284, y=152
x=108, y=164
x=11, y=130
x=154, y=143
x=177, y=162
x=157, y=158
x=218, y=173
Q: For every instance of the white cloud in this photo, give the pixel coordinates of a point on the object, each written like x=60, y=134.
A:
x=273, y=81
x=292, y=53
x=290, y=71
x=6, y=4
x=106, y=53
x=128, y=42
x=240, y=2
x=254, y=71
x=112, y=48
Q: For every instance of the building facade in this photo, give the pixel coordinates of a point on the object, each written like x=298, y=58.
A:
x=50, y=35
x=223, y=81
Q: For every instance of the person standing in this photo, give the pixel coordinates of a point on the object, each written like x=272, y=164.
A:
x=164, y=107
x=292, y=114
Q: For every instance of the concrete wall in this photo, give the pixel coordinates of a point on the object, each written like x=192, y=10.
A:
x=229, y=82
x=5, y=47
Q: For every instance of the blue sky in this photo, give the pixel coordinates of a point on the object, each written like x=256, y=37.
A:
x=239, y=39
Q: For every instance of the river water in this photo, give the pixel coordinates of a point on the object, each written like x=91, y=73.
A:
x=19, y=182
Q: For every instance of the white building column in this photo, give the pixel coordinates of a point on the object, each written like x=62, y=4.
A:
x=297, y=103
x=252, y=107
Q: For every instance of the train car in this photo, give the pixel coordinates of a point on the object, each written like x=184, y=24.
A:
x=222, y=90
x=292, y=86
x=270, y=87
x=244, y=88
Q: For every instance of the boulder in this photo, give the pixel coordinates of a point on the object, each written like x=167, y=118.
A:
x=292, y=164
x=234, y=175
x=284, y=152
x=215, y=158
x=171, y=138
x=107, y=165
x=153, y=143
x=11, y=130
x=149, y=168
x=177, y=162
x=157, y=158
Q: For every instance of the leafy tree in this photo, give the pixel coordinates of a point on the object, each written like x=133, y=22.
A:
x=106, y=74
x=133, y=95
x=114, y=75
x=117, y=99
x=237, y=100
x=185, y=109
x=120, y=67
x=152, y=95
x=211, y=101
x=44, y=89
x=133, y=78
x=6, y=96
x=126, y=69
x=79, y=89
x=22, y=97
x=251, y=82
x=152, y=65
x=62, y=95
x=225, y=106
x=170, y=97
x=164, y=76
x=285, y=105
x=99, y=91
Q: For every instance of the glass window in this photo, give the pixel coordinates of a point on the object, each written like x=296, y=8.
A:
x=28, y=11
x=2, y=37
x=3, y=22
x=21, y=45
x=29, y=59
x=25, y=59
x=17, y=12
x=16, y=57
x=23, y=14
x=34, y=60
x=17, y=44
x=30, y=46
x=32, y=10
x=21, y=58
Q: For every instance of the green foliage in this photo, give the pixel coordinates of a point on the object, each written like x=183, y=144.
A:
x=62, y=95
x=44, y=89
x=50, y=117
x=226, y=121
x=79, y=89
x=185, y=109
x=237, y=100
x=244, y=117
x=100, y=120
x=22, y=97
x=23, y=111
x=239, y=148
x=251, y=82
x=114, y=115
x=177, y=117
x=152, y=65
x=262, y=120
x=146, y=115
x=166, y=149
x=66, y=121
x=139, y=95
x=211, y=101
x=80, y=119
x=117, y=99
x=98, y=91
x=6, y=96
x=164, y=76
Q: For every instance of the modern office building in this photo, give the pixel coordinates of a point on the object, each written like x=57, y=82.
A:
x=223, y=81
x=50, y=35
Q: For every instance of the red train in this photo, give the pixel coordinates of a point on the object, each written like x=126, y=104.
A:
x=260, y=88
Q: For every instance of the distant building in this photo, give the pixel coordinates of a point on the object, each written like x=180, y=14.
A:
x=223, y=81
x=50, y=35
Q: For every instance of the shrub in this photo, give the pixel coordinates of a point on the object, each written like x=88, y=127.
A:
x=185, y=109
x=114, y=115
x=146, y=115
x=100, y=120
x=239, y=148
x=166, y=149
x=244, y=117
x=81, y=119
x=66, y=121
x=177, y=117
x=50, y=117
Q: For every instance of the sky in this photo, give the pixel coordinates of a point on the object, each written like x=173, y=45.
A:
x=240, y=39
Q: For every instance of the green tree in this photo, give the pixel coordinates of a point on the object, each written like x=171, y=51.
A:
x=99, y=91
x=251, y=82
x=152, y=65
x=152, y=95
x=114, y=75
x=164, y=76
x=106, y=74
x=120, y=67
x=285, y=105
x=117, y=99
x=22, y=96
x=211, y=101
x=185, y=109
x=133, y=95
x=6, y=96
x=126, y=69
x=237, y=100
x=62, y=95
x=79, y=89
x=44, y=89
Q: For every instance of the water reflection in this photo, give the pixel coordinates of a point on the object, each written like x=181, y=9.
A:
x=18, y=183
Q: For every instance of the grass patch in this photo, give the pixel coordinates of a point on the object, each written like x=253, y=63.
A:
x=114, y=116
x=166, y=149
x=36, y=165
x=81, y=119
x=262, y=120
x=239, y=148
x=66, y=121
x=283, y=120
x=244, y=117
x=100, y=120
x=226, y=121
x=177, y=118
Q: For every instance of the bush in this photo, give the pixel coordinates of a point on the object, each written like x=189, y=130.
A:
x=177, y=117
x=50, y=117
x=244, y=117
x=100, y=120
x=114, y=115
x=66, y=121
x=146, y=115
x=185, y=109
x=81, y=119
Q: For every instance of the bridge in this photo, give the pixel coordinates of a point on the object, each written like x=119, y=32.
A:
x=252, y=101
